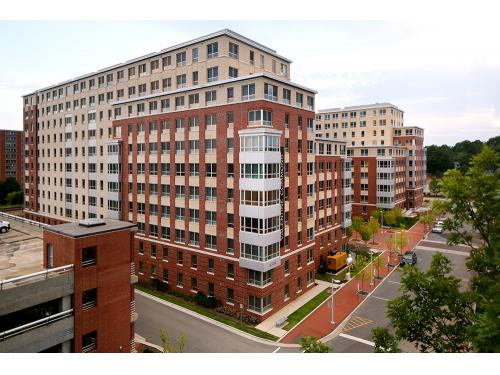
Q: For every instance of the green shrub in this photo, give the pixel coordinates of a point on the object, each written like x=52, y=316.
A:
x=159, y=285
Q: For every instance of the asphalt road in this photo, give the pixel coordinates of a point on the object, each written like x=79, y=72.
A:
x=356, y=337
x=201, y=336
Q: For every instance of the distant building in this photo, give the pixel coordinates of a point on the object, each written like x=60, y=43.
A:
x=388, y=158
x=11, y=160
x=81, y=300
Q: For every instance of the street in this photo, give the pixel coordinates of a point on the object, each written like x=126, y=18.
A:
x=356, y=336
x=201, y=336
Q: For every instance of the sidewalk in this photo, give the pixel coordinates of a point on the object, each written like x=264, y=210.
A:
x=345, y=299
x=269, y=325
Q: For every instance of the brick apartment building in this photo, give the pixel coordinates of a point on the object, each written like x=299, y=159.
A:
x=210, y=148
x=80, y=299
x=11, y=152
x=388, y=158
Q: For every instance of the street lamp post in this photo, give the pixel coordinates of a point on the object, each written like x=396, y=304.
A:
x=371, y=267
x=382, y=227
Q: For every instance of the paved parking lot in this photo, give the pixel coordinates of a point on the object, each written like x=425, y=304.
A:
x=356, y=336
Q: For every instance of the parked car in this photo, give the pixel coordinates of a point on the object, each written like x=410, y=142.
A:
x=437, y=229
x=409, y=258
x=440, y=223
x=4, y=226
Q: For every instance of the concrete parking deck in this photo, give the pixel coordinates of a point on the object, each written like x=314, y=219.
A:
x=20, y=250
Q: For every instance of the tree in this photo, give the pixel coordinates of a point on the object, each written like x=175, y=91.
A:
x=357, y=223
x=427, y=219
x=7, y=186
x=439, y=159
x=374, y=227
x=473, y=201
x=401, y=241
x=391, y=245
x=363, y=275
x=167, y=347
x=365, y=232
x=312, y=345
x=434, y=186
x=390, y=218
x=384, y=341
x=432, y=313
x=378, y=263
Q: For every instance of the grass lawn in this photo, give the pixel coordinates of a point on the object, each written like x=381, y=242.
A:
x=209, y=313
x=302, y=311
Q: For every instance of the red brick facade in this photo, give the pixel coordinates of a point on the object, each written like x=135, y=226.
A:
x=111, y=275
x=220, y=256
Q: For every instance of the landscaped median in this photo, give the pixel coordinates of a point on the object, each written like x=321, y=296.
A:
x=299, y=314
x=208, y=313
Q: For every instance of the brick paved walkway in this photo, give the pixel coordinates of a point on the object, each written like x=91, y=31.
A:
x=346, y=299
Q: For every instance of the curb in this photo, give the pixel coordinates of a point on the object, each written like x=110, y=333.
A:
x=307, y=316
x=326, y=300
x=214, y=322
x=337, y=330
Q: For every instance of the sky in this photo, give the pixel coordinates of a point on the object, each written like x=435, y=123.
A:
x=445, y=75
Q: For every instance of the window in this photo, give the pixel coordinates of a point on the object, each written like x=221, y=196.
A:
x=270, y=92
x=233, y=50
x=248, y=92
x=213, y=74
x=259, y=278
x=180, y=258
x=211, y=97
x=181, y=81
x=180, y=58
x=233, y=72
x=211, y=170
x=210, y=241
x=210, y=193
x=194, y=261
x=194, y=54
x=210, y=289
x=211, y=265
x=259, y=305
x=89, y=256
x=230, y=271
x=230, y=296
x=287, y=95
x=212, y=50
x=179, y=280
x=194, y=283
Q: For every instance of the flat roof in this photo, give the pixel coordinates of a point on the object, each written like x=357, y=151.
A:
x=21, y=250
x=216, y=34
x=77, y=230
x=358, y=107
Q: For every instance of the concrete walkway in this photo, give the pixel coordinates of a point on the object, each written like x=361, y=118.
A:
x=269, y=325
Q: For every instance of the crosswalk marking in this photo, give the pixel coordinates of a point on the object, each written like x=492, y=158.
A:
x=383, y=299
x=356, y=322
x=357, y=339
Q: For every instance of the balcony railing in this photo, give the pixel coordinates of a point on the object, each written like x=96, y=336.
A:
x=36, y=324
x=89, y=262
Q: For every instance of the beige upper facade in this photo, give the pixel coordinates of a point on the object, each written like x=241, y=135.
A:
x=75, y=117
x=363, y=125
